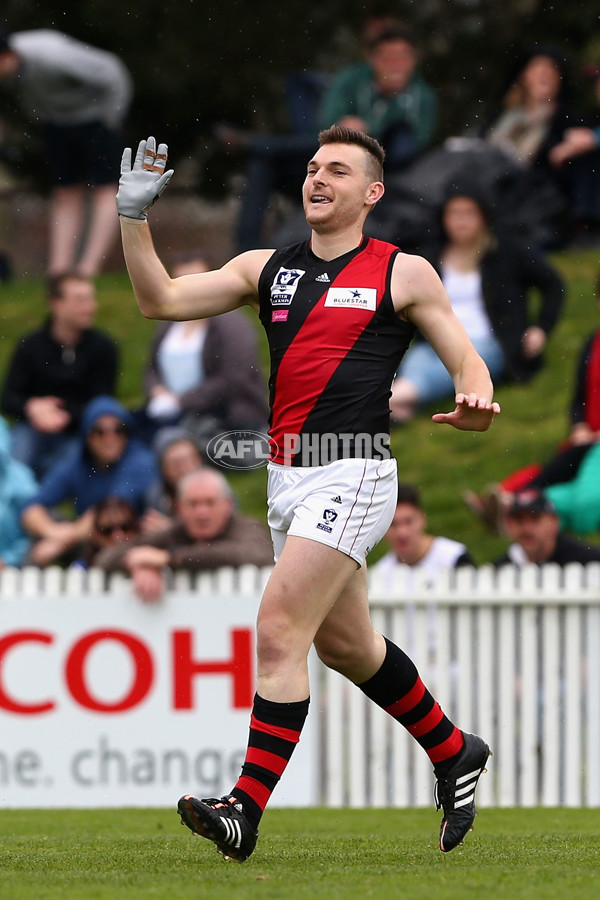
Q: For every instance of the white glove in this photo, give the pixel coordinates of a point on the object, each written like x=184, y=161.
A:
x=142, y=184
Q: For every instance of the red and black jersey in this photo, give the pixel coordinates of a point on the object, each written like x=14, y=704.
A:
x=335, y=343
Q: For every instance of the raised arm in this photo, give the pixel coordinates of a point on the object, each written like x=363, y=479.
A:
x=420, y=297
x=158, y=295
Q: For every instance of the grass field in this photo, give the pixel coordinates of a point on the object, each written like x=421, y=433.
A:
x=442, y=461
x=318, y=854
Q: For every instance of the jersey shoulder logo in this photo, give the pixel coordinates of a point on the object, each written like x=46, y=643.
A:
x=356, y=298
x=285, y=285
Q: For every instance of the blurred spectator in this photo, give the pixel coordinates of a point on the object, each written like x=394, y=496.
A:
x=385, y=97
x=533, y=524
x=488, y=280
x=17, y=486
x=412, y=546
x=115, y=521
x=177, y=454
x=209, y=534
x=55, y=371
x=534, y=118
x=534, y=114
x=79, y=95
x=580, y=148
x=275, y=162
x=206, y=374
x=564, y=466
x=105, y=462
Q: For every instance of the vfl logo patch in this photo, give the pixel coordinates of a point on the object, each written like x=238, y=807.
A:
x=284, y=286
x=357, y=298
x=329, y=516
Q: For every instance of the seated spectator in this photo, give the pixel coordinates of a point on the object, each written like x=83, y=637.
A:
x=533, y=524
x=17, y=486
x=488, y=280
x=533, y=118
x=55, y=371
x=209, y=533
x=105, y=462
x=534, y=114
x=386, y=97
x=177, y=454
x=115, y=521
x=412, y=546
x=205, y=374
x=564, y=466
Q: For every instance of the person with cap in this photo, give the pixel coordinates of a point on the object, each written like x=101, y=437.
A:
x=79, y=95
x=177, y=453
x=107, y=461
x=532, y=521
x=488, y=279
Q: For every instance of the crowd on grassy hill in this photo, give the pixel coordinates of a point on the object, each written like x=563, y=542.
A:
x=85, y=481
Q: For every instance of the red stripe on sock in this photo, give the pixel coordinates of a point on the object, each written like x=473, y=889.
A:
x=288, y=734
x=448, y=748
x=427, y=723
x=266, y=760
x=259, y=792
x=408, y=702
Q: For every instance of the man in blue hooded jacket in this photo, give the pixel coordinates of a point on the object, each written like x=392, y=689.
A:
x=106, y=462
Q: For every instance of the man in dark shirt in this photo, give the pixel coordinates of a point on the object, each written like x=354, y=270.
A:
x=55, y=372
x=533, y=523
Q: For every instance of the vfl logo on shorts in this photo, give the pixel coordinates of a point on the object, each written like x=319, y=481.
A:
x=329, y=516
x=355, y=298
x=285, y=285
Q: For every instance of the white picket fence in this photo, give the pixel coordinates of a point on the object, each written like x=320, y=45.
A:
x=513, y=655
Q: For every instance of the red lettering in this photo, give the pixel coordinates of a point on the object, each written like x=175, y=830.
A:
x=9, y=703
x=75, y=671
x=239, y=667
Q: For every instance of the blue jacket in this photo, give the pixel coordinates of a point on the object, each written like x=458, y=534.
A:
x=76, y=477
x=17, y=486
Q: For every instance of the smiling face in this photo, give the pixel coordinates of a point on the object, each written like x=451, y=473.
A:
x=339, y=189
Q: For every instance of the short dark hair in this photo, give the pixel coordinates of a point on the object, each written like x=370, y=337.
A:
x=408, y=493
x=339, y=134
x=395, y=32
x=55, y=286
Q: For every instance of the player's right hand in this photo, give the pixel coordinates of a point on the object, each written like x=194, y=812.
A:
x=142, y=183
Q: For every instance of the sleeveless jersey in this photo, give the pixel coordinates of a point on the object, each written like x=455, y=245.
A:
x=335, y=344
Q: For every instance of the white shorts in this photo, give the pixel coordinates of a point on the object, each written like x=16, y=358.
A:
x=348, y=504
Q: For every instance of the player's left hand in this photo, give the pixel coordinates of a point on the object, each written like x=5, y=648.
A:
x=472, y=413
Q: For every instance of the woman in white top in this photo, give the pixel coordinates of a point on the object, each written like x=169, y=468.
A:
x=488, y=281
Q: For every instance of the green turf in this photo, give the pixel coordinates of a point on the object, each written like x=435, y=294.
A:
x=442, y=461
x=319, y=854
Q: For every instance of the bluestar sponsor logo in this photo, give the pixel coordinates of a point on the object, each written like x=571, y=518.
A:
x=353, y=298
